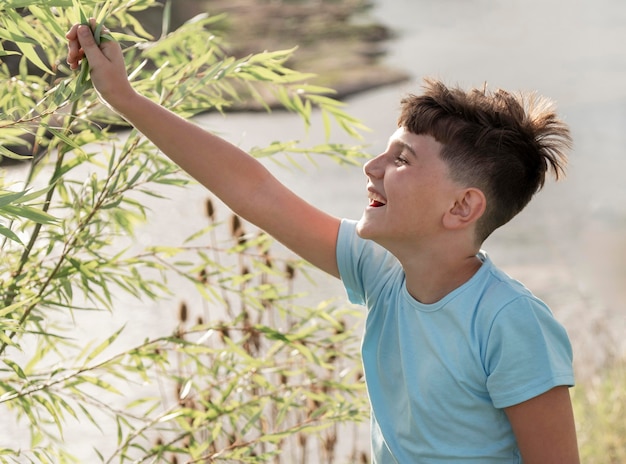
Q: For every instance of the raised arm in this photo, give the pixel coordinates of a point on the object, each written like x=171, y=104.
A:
x=238, y=179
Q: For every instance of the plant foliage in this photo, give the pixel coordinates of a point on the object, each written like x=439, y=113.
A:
x=257, y=377
x=599, y=408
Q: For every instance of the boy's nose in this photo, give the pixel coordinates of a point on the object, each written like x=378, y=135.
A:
x=373, y=167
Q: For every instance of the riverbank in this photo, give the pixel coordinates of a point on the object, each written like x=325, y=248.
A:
x=339, y=41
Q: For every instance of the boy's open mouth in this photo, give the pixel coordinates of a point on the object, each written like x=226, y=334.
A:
x=376, y=203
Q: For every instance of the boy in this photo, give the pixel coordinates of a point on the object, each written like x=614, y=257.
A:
x=462, y=363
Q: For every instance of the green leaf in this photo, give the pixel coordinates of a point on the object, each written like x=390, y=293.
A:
x=97, y=381
x=9, y=154
x=67, y=140
x=54, y=412
x=171, y=416
x=272, y=334
x=15, y=367
x=9, y=309
x=8, y=233
x=29, y=52
x=33, y=214
x=11, y=197
x=105, y=344
x=83, y=19
x=33, y=195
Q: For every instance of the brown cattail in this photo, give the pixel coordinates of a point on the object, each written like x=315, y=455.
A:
x=290, y=270
x=210, y=210
x=330, y=442
x=182, y=312
x=203, y=277
x=223, y=331
x=236, y=229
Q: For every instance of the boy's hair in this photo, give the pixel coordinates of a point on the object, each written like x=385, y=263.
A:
x=500, y=143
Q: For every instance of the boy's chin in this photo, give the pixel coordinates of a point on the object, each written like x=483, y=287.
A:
x=363, y=229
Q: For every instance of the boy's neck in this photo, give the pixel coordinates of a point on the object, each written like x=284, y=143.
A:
x=430, y=280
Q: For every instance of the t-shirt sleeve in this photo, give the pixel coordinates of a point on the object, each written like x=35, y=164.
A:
x=347, y=260
x=528, y=353
x=364, y=266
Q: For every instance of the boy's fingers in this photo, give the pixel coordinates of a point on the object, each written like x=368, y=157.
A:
x=72, y=53
x=88, y=43
x=71, y=34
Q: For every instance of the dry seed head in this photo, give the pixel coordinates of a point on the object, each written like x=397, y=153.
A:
x=290, y=270
x=210, y=209
x=330, y=441
x=236, y=229
x=223, y=331
x=203, y=276
x=182, y=312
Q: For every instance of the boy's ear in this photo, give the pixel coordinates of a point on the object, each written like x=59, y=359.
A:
x=468, y=207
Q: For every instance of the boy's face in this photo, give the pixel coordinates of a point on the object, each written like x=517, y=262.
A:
x=409, y=190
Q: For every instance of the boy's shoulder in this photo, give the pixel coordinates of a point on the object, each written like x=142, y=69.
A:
x=500, y=284
x=497, y=294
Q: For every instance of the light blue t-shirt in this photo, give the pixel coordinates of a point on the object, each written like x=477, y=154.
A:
x=438, y=375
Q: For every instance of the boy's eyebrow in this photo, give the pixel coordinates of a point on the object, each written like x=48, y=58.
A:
x=404, y=145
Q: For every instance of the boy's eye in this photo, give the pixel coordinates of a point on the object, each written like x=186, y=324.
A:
x=401, y=160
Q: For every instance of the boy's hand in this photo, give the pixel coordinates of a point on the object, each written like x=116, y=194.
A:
x=106, y=63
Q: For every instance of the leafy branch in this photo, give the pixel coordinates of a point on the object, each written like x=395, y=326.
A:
x=257, y=369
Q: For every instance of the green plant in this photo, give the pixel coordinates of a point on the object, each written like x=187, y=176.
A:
x=599, y=406
x=253, y=373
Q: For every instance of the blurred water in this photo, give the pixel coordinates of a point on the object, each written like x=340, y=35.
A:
x=569, y=245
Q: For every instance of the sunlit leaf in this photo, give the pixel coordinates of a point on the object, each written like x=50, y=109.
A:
x=104, y=345
x=15, y=367
x=8, y=233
